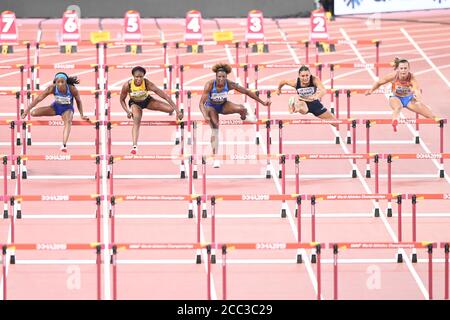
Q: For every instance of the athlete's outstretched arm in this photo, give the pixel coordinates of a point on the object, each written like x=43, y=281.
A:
x=204, y=97
x=233, y=85
x=283, y=83
x=77, y=97
x=151, y=86
x=123, y=96
x=380, y=82
x=39, y=98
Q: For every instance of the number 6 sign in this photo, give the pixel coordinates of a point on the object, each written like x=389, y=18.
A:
x=255, y=26
x=70, y=28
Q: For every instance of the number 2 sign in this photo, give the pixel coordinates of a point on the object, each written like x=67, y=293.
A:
x=255, y=26
x=193, y=31
x=70, y=28
x=318, y=24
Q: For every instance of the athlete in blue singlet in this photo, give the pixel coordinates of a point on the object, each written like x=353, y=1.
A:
x=214, y=101
x=405, y=92
x=64, y=90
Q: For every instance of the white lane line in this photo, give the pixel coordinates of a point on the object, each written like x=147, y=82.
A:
x=422, y=53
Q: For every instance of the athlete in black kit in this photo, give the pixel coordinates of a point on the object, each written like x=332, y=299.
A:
x=310, y=90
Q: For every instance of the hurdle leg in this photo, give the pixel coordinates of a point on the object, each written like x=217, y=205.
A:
x=367, y=148
x=224, y=272
x=413, y=224
x=313, y=227
x=299, y=227
x=349, y=138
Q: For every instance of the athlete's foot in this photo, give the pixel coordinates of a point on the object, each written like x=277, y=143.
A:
x=63, y=148
x=134, y=150
x=243, y=116
x=394, y=125
x=216, y=163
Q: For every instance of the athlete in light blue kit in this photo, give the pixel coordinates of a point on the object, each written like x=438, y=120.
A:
x=64, y=90
x=214, y=101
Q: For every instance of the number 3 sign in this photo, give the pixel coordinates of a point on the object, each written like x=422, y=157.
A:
x=255, y=26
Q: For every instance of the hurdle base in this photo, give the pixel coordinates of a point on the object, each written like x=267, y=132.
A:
x=24, y=175
x=349, y=140
x=414, y=258
x=377, y=212
x=13, y=175
x=12, y=259
x=19, y=214
x=191, y=214
x=257, y=140
x=280, y=175
x=28, y=141
x=183, y=175
x=441, y=173
x=5, y=214
x=67, y=49
x=6, y=49
x=368, y=174
x=299, y=258
x=354, y=175
x=296, y=212
x=204, y=214
x=195, y=175
x=213, y=259
x=198, y=259
x=138, y=49
x=198, y=49
x=338, y=140
x=313, y=258
x=389, y=212
x=283, y=213
x=417, y=140
x=399, y=258
x=18, y=142
x=177, y=141
x=268, y=175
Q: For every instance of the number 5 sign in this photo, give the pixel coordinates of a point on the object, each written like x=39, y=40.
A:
x=255, y=26
x=318, y=23
x=8, y=30
x=70, y=29
x=132, y=25
x=193, y=31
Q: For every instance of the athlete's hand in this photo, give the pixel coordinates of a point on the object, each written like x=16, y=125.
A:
x=24, y=114
x=278, y=92
x=368, y=92
x=129, y=114
x=267, y=103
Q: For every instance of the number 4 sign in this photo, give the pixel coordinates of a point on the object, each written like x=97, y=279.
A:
x=193, y=31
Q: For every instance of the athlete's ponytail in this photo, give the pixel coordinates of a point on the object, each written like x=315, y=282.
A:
x=397, y=62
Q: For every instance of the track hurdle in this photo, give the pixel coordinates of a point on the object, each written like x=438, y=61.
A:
x=382, y=245
x=46, y=247
x=120, y=247
x=446, y=246
x=229, y=247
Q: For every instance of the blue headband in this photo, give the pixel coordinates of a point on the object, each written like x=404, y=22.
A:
x=60, y=75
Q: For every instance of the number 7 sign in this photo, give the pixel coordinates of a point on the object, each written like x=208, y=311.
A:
x=8, y=30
